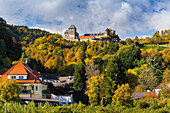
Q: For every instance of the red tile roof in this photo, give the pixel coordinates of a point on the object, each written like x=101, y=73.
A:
x=18, y=70
x=21, y=69
x=103, y=36
x=40, y=99
x=82, y=37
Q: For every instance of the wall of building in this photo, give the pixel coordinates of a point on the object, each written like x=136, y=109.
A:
x=34, y=93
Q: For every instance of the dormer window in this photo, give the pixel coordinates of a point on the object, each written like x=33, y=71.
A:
x=13, y=77
x=21, y=77
x=18, y=77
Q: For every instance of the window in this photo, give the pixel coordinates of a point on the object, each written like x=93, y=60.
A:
x=32, y=87
x=21, y=77
x=36, y=88
x=13, y=77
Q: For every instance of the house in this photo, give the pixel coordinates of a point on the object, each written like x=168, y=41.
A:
x=139, y=95
x=64, y=90
x=159, y=87
x=31, y=82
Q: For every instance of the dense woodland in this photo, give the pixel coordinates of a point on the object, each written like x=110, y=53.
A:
x=100, y=69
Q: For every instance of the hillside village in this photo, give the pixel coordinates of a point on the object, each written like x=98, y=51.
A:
x=92, y=72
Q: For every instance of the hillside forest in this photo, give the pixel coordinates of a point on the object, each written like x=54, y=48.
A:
x=101, y=67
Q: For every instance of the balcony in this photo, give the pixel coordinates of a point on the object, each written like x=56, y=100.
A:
x=46, y=92
x=25, y=92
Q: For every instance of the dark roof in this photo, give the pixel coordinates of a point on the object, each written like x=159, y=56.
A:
x=50, y=76
x=72, y=27
x=138, y=95
x=65, y=87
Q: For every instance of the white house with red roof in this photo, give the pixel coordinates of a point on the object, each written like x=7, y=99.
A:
x=31, y=82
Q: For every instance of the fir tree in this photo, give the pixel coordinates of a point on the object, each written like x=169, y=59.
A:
x=80, y=83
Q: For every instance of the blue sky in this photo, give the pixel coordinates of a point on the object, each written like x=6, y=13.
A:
x=129, y=18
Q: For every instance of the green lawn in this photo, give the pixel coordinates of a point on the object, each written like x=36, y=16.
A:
x=154, y=46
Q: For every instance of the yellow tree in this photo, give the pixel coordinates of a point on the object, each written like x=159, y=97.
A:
x=9, y=91
x=122, y=96
x=94, y=88
x=166, y=81
x=132, y=78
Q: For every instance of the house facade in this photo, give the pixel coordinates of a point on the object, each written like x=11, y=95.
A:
x=31, y=82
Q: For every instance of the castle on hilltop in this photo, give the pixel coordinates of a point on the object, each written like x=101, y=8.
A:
x=72, y=35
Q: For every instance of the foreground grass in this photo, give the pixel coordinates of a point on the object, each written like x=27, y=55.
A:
x=79, y=108
x=154, y=46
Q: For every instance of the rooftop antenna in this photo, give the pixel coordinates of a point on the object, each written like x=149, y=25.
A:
x=26, y=61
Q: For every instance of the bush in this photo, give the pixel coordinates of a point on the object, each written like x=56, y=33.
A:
x=62, y=109
x=143, y=104
x=80, y=105
x=168, y=103
x=154, y=105
x=163, y=111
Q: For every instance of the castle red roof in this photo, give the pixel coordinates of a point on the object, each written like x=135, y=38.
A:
x=86, y=37
x=82, y=37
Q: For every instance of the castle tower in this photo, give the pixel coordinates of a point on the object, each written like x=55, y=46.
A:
x=71, y=33
x=107, y=32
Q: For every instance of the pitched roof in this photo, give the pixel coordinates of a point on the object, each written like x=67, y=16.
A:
x=22, y=69
x=18, y=70
x=89, y=37
x=159, y=86
x=83, y=37
x=72, y=27
x=138, y=95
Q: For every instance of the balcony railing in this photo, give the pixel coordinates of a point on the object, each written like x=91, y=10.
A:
x=46, y=92
x=25, y=92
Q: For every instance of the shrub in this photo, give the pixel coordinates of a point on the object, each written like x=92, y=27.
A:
x=80, y=105
x=154, y=105
x=168, y=103
x=142, y=104
x=62, y=109
x=163, y=111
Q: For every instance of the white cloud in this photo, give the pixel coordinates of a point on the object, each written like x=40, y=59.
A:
x=127, y=17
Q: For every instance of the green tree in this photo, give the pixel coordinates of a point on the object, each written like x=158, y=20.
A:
x=147, y=79
x=155, y=66
x=129, y=41
x=114, y=74
x=9, y=91
x=128, y=55
x=80, y=83
x=6, y=62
